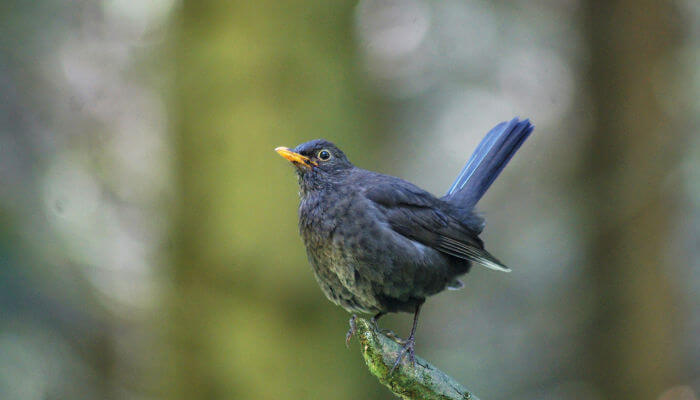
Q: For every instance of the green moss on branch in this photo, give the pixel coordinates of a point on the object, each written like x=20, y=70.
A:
x=423, y=381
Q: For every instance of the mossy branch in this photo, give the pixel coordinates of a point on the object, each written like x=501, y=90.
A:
x=423, y=381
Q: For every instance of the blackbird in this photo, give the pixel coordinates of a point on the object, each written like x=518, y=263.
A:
x=379, y=244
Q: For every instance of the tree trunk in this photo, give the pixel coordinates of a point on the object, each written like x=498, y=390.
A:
x=246, y=318
x=629, y=208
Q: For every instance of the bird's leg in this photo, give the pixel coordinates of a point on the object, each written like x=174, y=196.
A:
x=376, y=318
x=351, y=331
x=408, y=347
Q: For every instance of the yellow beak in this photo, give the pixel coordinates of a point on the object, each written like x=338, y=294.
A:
x=295, y=158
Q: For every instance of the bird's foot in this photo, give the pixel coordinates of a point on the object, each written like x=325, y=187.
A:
x=351, y=331
x=391, y=335
x=408, y=348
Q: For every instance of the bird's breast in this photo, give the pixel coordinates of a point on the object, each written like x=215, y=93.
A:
x=318, y=217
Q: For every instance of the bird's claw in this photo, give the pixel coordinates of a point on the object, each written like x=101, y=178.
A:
x=408, y=347
x=351, y=331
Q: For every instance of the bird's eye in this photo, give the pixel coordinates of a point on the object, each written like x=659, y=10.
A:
x=324, y=155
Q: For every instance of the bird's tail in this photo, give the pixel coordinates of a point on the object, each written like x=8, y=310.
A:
x=487, y=161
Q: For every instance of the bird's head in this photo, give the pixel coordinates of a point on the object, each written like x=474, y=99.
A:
x=318, y=156
x=318, y=163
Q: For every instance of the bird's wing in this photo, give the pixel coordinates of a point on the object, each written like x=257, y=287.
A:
x=417, y=215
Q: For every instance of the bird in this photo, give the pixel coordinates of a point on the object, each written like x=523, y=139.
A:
x=378, y=244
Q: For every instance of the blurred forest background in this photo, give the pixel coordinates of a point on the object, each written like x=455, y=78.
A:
x=148, y=240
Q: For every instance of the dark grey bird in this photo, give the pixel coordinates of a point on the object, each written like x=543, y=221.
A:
x=379, y=244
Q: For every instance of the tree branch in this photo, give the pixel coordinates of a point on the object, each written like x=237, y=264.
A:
x=422, y=382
